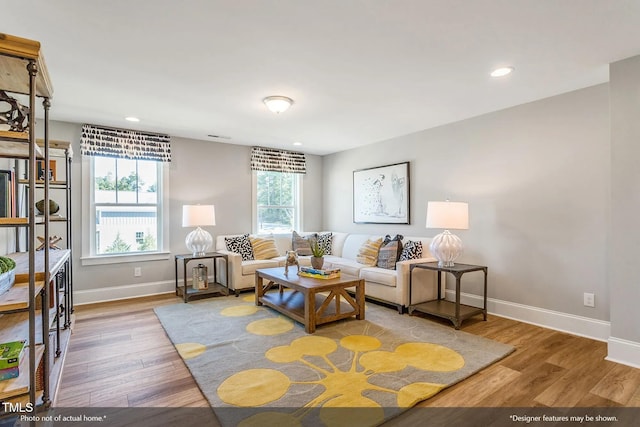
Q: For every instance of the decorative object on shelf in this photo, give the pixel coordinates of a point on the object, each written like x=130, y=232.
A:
x=291, y=259
x=317, y=253
x=278, y=104
x=53, y=242
x=200, y=277
x=199, y=240
x=381, y=195
x=16, y=118
x=446, y=247
x=7, y=274
x=53, y=207
x=40, y=170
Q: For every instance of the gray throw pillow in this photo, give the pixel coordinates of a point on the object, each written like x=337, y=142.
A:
x=390, y=252
x=301, y=244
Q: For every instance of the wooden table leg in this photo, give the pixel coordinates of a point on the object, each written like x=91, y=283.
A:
x=309, y=312
x=259, y=289
x=360, y=299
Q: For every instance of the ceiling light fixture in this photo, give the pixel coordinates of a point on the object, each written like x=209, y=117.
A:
x=132, y=119
x=278, y=104
x=297, y=143
x=501, y=72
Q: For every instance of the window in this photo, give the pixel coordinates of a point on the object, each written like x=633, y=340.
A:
x=277, y=203
x=126, y=206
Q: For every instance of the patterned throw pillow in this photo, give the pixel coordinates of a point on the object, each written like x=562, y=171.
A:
x=240, y=245
x=368, y=254
x=411, y=250
x=390, y=251
x=264, y=247
x=301, y=244
x=324, y=241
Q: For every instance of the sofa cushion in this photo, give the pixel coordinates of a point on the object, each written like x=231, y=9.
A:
x=302, y=260
x=240, y=245
x=412, y=250
x=250, y=267
x=345, y=265
x=325, y=242
x=264, y=247
x=389, y=252
x=301, y=244
x=379, y=275
x=368, y=253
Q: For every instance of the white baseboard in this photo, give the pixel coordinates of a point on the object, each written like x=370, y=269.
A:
x=619, y=350
x=577, y=325
x=90, y=296
x=624, y=351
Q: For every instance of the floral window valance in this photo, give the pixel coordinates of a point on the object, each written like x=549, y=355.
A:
x=124, y=143
x=269, y=159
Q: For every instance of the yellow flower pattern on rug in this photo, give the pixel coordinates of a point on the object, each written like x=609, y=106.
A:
x=258, y=368
x=340, y=388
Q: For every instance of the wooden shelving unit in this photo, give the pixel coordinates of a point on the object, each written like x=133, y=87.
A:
x=33, y=304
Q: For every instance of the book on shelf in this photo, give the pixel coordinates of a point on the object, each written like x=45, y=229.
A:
x=7, y=194
x=9, y=373
x=11, y=353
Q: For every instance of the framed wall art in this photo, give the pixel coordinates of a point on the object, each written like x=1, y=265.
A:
x=381, y=195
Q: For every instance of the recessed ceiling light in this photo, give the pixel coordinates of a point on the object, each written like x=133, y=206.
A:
x=132, y=119
x=501, y=72
x=297, y=143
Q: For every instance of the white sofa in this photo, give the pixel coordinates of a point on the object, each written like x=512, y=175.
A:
x=390, y=286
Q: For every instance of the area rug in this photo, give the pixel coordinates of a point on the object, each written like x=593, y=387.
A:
x=259, y=368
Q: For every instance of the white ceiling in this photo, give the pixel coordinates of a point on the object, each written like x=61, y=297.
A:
x=360, y=71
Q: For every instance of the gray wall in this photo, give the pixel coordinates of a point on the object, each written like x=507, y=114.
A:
x=536, y=177
x=200, y=172
x=624, y=276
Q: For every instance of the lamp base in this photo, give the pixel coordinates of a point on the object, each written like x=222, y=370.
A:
x=446, y=247
x=199, y=241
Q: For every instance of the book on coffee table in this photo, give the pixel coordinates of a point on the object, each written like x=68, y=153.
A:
x=319, y=274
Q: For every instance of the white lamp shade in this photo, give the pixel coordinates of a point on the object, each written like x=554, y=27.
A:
x=198, y=215
x=448, y=215
x=278, y=104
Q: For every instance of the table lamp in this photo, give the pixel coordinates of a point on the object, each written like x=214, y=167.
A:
x=199, y=240
x=446, y=247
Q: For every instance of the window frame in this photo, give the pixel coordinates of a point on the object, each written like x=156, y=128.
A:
x=89, y=256
x=297, y=222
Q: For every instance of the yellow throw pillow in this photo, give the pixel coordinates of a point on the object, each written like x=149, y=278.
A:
x=368, y=253
x=264, y=247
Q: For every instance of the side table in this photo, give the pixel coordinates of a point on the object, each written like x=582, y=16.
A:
x=453, y=311
x=215, y=287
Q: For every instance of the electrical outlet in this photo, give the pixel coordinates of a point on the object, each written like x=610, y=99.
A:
x=589, y=300
x=137, y=272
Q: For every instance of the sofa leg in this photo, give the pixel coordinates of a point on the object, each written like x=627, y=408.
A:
x=237, y=292
x=400, y=309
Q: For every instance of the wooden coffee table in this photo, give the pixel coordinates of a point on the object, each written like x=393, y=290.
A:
x=305, y=304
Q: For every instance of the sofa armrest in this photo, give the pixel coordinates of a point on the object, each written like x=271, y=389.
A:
x=425, y=282
x=235, y=268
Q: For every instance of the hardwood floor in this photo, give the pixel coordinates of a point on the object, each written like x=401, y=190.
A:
x=119, y=356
